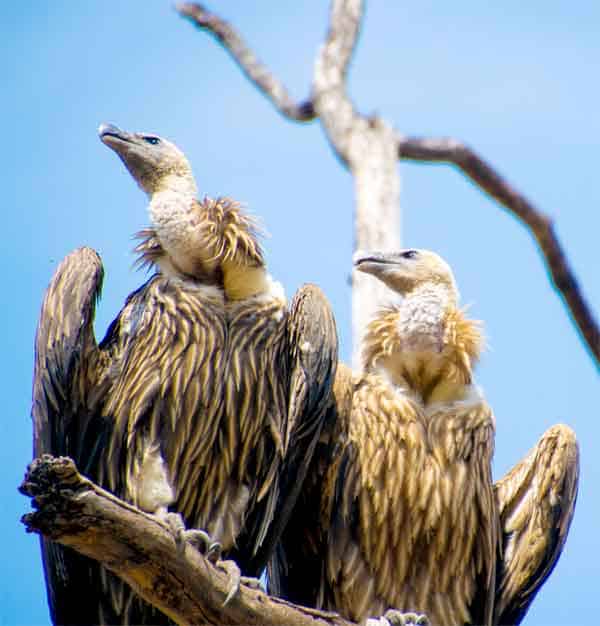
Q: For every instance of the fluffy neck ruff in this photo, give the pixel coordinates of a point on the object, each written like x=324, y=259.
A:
x=424, y=345
x=211, y=241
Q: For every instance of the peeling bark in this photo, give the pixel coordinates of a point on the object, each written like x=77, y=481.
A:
x=142, y=550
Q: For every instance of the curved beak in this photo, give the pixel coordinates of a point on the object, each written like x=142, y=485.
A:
x=111, y=135
x=370, y=262
x=139, y=158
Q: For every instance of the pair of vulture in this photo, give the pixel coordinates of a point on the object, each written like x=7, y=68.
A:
x=213, y=402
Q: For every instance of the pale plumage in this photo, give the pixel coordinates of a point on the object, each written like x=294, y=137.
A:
x=408, y=517
x=198, y=400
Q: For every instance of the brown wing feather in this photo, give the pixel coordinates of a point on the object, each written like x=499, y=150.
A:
x=160, y=355
x=308, y=368
x=257, y=390
x=70, y=379
x=167, y=391
x=536, y=500
x=296, y=568
x=411, y=513
x=312, y=346
x=65, y=355
x=174, y=389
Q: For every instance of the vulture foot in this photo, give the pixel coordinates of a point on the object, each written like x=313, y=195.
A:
x=235, y=579
x=392, y=617
x=197, y=538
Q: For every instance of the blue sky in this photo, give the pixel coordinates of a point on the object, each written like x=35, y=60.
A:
x=518, y=81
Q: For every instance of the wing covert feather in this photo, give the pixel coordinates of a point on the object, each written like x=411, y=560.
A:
x=536, y=500
x=313, y=355
x=65, y=353
x=67, y=361
x=171, y=365
x=309, y=364
x=409, y=504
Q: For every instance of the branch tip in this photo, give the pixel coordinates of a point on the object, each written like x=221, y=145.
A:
x=540, y=225
x=257, y=72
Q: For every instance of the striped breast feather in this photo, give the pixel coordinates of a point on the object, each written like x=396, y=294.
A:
x=256, y=393
x=167, y=384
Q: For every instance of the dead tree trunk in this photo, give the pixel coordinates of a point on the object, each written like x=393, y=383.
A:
x=370, y=149
x=367, y=146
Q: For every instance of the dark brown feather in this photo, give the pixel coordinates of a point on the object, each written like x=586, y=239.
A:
x=67, y=421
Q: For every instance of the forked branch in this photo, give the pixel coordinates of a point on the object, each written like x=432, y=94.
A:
x=366, y=146
x=366, y=152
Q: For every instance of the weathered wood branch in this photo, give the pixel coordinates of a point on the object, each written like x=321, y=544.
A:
x=450, y=151
x=256, y=72
x=142, y=550
x=366, y=145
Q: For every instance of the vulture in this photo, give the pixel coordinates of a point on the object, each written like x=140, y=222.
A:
x=204, y=400
x=399, y=510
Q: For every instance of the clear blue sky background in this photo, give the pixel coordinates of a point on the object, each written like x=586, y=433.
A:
x=518, y=81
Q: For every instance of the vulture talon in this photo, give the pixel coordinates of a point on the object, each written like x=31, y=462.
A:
x=204, y=543
x=177, y=527
x=196, y=537
x=236, y=579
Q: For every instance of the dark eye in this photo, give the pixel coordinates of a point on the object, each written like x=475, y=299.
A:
x=152, y=140
x=409, y=254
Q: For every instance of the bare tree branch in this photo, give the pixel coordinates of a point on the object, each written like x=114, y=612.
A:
x=142, y=550
x=329, y=85
x=540, y=225
x=258, y=73
x=365, y=146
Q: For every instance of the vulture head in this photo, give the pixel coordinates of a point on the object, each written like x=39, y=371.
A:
x=406, y=270
x=155, y=163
